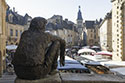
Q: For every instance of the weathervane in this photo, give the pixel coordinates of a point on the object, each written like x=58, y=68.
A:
x=79, y=7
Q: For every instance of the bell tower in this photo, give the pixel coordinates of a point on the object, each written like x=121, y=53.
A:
x=80, y=24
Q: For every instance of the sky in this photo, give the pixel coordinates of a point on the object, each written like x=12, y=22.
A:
x=91, y=9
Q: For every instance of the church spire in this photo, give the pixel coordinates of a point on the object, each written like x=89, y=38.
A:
x=79, y=17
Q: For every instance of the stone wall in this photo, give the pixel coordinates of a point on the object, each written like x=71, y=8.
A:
x=77, y=78
x=3, y=7
x=118, y=30
x=106, y=34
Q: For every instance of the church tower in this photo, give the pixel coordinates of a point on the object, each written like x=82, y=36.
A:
x=80, y=24
x=79, y=21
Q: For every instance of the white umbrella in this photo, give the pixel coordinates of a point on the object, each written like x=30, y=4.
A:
x=86, y=50
x=11, y=47
x=86, y=47
x=95, y=47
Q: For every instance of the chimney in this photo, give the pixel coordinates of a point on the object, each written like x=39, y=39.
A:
x=13, y=9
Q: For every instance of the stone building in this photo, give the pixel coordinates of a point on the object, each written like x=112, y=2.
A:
x=3, y=7
x=118, y=29
x=91, y=29
x=106, y=33
x=87, y=31
x=13, y=33
x=64, y=29
x=15, y=25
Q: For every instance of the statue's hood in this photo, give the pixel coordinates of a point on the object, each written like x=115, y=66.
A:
x=38, y=24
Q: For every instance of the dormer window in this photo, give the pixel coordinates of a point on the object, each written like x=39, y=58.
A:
x=10, y=18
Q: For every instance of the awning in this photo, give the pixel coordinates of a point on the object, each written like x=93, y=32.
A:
x=104, y=53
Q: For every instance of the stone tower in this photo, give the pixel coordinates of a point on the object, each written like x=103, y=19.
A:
x=118, y=29
x=80, y=25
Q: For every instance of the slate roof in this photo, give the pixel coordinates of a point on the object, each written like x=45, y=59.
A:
x=89, y=24
x=79, y=17
x=60, y=25
x=16, y=18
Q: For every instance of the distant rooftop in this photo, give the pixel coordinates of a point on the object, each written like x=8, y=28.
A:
x=13, y=17
x=57, y=22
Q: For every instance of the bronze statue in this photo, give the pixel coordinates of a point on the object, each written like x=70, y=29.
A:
x=37, y=52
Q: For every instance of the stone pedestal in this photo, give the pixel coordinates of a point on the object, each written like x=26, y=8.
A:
x=1, y=64
x=91, y=78
x=49, y=79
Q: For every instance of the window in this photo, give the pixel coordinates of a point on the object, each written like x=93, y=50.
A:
x=16, y=32
x=91, y=35
x=117, y=17
x=117, y=21
x=118, y=46
x=117, y=12
x=11, y=32
x=20, y=32
x=65, y=32
x=117, y=30
x=117, y=50
x=95, y=36
x=117, y=26
x=10, y=18
x=117, y=35
x=117, y=7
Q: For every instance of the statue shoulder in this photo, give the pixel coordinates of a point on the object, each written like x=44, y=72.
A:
x=26, y=33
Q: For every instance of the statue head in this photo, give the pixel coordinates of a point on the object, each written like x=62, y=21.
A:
x=38, y=24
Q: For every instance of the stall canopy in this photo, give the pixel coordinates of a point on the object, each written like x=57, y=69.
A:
x=86, y=50
x=11, y=47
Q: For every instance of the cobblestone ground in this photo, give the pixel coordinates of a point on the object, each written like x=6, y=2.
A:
x=7, y=78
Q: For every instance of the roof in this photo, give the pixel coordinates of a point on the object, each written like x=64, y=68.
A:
x=89, y=24
x=60, y=25
x=113, y=0
x=107, y=16
x=16, y=18
x=79, y=17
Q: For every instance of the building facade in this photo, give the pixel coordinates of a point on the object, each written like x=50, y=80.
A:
x=70, y=36
x=106, y=33
x=118, y=29
x=15, y=25
x=91, y=29
x=3, y=7
x=64, y=29
x=13, y=33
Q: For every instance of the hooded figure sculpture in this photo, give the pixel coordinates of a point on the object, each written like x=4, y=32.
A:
x=37, y=52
